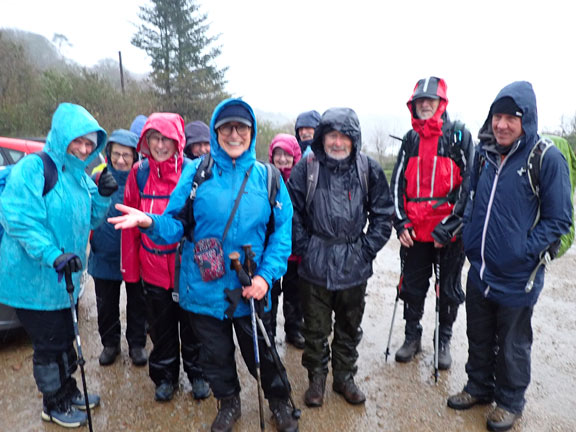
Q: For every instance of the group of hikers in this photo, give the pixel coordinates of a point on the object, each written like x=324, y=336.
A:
x=206, y=238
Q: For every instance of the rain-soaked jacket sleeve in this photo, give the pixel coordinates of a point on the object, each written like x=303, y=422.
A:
x=23, y=211
x=131, y=236
x=452, y=224
x=275, y=260
x=297, y=190
x=380, y=212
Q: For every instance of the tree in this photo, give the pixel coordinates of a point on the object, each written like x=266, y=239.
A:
x=173, y=34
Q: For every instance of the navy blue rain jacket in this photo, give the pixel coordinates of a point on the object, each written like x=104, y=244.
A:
x=499, y=241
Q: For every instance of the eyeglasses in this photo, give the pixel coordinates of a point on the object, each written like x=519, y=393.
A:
x=241, y=129
x=157, y=137
x=125, y=156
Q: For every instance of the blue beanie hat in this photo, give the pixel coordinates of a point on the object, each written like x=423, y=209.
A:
x=138, y=124
x=233, y=112
x=196, y=132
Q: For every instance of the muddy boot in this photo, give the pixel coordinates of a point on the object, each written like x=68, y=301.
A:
x=350, y=391
x=282, y=410
x=500, y=419
x=412, y=344
x=444, y=357
x=314, y=396
x=229, y=412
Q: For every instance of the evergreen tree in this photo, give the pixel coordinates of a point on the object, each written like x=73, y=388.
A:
x=173, y=34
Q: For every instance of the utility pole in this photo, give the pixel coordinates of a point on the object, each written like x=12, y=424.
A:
x=121, y=71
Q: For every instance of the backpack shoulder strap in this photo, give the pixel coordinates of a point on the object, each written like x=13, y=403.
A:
x=363, y=168
x=50, y=172
x=142, y=174
x=203, y=173
x=312, y=170
x=272, y=186
x=534, y=163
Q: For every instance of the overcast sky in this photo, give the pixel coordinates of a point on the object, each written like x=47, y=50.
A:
x=295, y=55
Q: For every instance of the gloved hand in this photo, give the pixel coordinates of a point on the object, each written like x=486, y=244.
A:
x=107, y=184
x=67, y=262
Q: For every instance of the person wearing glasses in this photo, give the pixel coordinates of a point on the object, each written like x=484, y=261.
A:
x=208, y=299
x=104, y=264
x=148, y=188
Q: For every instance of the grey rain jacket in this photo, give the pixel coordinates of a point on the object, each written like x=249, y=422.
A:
x=329, y=236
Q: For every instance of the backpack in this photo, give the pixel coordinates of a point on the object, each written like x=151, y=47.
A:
x=313, y=168
x=50, y=177
x=533, y=166
x=144, y=172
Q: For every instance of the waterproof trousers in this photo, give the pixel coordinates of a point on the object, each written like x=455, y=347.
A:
x=54, y=360
x=499, y=348
x=289, y=287
x=171, y=335
x=418, y=268
x=218, y=361
x=108, y=306
x=318, y=304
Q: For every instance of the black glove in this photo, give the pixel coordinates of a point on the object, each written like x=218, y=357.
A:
x=67, y=262
x=106, y=184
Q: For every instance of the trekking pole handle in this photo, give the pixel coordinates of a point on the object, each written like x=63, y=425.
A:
x=243, y=277
x=68, y=278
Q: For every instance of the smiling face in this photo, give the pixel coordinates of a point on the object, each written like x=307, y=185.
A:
x=161, y=148
x=81, y=148
x=337, y=145
x=282, y=159
x=121, y=156
x=234, y=138
x=306, y=133
x=507, y=128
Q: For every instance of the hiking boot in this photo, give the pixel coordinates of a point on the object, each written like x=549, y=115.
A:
x=200, y=388
x=164, y=392
x=282, y=411
x=500, y=419
x=138, y=355
x=314, y=396
x=108, y=355
x=350, y=391
x=408, y=350
x=67, y=417
x=444, y=357
x=296, y=339
x=79, y=402
x=464, y=401
x=229, y=411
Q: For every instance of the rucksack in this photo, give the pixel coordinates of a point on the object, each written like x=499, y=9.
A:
x=533, y=167
x=144, y=172
x=313, y=169
x=50, y=177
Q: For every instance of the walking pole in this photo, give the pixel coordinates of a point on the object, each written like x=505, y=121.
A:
x=70, y=289
x=398, y=289
x=234, y=258
x=437, y=328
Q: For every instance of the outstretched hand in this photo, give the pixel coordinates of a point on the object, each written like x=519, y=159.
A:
x=131, y=218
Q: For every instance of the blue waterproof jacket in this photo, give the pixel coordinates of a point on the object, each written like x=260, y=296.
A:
x=212, y=207
x=501, y=245
x=39, y=229
x=104, y=260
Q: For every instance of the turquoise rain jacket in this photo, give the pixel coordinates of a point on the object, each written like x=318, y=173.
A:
x=39, y=229
x=212, y=207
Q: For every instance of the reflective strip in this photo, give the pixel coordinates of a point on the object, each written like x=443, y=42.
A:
x=396, y=195
x=425, y=89
x=433, y=176
x=418, y=179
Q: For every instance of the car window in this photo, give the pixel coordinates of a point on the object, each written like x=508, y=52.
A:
x=16, y=155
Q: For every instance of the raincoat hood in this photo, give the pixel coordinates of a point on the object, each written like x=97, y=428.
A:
x=306, y=119
x=220, y=157
x=523, y=95
x=168, y=124
x=69, y=122
x=343, y=120
x=138, y=124
x=123, y=137
x=433, y=88
x=289, y=144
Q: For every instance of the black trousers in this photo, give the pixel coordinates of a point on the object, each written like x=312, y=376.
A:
x=54, y=360
x=108, y=305
x=289, y=287
x=418, y=268
x=171, y=335
x=218, y=361
x=499, y=349
x=348, y=307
